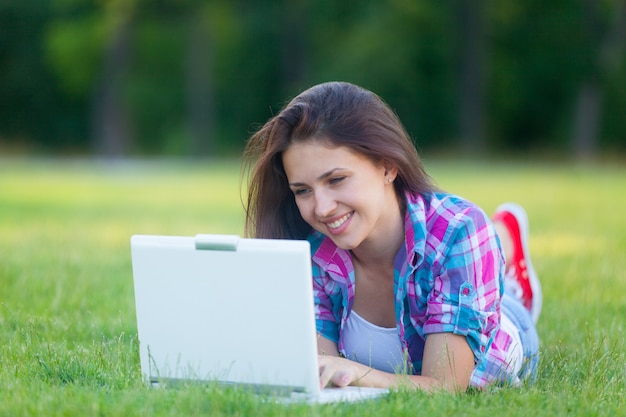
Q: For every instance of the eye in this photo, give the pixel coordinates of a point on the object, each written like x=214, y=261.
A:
x=336, y=180
x=300, y=192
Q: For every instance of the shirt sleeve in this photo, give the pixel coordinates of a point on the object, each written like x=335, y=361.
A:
x=467, y=287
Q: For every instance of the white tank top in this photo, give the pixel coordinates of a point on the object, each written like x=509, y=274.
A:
x=372, y=345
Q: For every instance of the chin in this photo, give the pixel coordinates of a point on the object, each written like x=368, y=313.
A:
x=343, y=244
x=341, y=241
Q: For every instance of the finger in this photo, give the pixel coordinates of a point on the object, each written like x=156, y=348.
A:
x=325, y=375
x=341, y=379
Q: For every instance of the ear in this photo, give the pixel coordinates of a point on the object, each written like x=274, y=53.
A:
x=391, y=170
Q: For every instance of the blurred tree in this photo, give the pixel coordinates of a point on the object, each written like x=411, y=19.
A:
x=404, y=51
x=195, y=77
x=198, y=83
x=294, y=40
x=603, y=48
x=32, y=105
x=248, y=63
x=533, y=63
x=473, y=74
x=88, y=51
x=111, y=122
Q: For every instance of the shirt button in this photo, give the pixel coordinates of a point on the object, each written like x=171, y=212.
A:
x=466, y=291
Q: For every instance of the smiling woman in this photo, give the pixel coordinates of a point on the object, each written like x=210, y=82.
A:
x=408, y=280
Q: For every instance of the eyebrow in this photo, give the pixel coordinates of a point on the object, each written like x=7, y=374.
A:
x=321, y=177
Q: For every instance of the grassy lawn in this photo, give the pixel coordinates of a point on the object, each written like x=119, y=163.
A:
x=67, y=320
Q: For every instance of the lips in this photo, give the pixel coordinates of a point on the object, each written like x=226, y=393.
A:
x=337, y=223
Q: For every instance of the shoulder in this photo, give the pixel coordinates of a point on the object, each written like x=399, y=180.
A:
x=439, y=205
x=443, y=215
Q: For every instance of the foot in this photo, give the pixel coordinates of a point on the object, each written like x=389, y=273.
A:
x=512, y=225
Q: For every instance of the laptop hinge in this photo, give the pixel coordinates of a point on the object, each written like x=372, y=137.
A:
x=217, y=242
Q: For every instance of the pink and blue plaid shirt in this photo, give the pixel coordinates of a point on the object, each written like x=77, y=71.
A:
x=448, y=278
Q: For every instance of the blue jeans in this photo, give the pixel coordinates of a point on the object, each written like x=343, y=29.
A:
x=522, y=319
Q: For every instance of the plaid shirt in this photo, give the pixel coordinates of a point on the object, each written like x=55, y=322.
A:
x=448, y=278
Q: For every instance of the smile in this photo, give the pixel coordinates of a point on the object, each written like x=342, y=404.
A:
x=339, y=222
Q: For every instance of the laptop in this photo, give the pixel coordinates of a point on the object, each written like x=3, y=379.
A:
x=231, y=310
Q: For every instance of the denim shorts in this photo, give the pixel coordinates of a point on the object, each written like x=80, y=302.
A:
x=523, y=321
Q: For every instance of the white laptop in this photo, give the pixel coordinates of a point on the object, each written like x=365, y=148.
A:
x=230, y=310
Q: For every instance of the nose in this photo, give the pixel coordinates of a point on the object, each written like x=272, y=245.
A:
x=325, y=204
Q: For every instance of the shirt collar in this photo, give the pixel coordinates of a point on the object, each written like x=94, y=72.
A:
x=415, y=227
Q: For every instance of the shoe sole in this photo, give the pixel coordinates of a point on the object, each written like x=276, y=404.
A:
x=535, y=285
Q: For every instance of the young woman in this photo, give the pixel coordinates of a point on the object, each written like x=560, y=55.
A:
x=408, y=280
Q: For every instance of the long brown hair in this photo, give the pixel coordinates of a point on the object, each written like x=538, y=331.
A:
x=342, y=114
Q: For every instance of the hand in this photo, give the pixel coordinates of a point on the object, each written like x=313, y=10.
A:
x=339, y=372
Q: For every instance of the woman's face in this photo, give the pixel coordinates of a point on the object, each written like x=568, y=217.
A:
x=341, y=193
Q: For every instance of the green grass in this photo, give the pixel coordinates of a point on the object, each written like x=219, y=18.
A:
x=67, y=320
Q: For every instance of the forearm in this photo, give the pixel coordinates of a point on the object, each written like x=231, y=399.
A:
x=370, y=377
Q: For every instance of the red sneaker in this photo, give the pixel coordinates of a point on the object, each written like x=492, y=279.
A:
x=520, y=274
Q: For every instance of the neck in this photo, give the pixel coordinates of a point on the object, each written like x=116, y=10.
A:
x=380, y=251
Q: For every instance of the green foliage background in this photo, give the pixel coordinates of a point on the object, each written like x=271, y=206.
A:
x=538, y=55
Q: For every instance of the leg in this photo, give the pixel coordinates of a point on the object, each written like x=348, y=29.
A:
x=522, y=323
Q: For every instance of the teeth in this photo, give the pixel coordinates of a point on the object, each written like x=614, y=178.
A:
x=339, y=222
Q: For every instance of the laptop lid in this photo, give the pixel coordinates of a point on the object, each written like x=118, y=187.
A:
x=224, y=308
